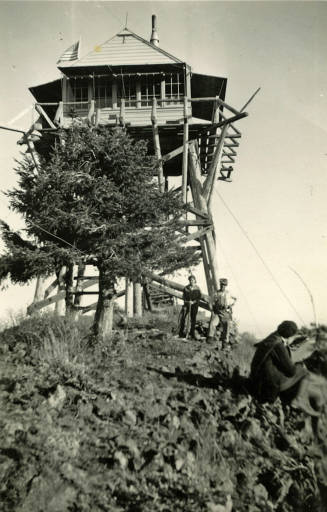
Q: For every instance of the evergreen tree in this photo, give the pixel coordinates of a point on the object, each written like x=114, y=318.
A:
x=96, y=200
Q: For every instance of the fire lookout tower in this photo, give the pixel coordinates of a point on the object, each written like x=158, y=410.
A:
x=132, y=82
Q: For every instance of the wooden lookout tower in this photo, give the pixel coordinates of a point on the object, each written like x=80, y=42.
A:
x=192, y=131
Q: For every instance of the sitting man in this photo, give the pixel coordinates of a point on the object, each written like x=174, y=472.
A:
x=191, y=296
x=273, y=372
x=221, y=313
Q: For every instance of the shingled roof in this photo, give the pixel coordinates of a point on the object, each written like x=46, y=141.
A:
x=125, y=48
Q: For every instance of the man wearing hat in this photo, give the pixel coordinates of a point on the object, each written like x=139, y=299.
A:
x=191, y=296
x=273, y=372
x=221, y=313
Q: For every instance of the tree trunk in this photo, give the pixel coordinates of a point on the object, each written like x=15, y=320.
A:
x=69, y=285
x=137, y=298
x=103, y=319
x=61, y=304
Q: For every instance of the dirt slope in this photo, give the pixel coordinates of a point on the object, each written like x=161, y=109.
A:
x=147, y=422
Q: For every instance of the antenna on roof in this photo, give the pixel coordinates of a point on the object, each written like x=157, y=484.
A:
x=126, y=19
x=154, y=36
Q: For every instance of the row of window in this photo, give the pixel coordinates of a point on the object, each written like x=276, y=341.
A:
x=150, y=87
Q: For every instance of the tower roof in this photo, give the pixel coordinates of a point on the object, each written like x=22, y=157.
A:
x=125, y=48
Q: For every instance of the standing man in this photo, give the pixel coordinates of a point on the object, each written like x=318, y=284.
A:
x=191, y=296
x=221, y=313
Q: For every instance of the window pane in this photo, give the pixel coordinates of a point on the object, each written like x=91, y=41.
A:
x=103, y=94
x=150, y=88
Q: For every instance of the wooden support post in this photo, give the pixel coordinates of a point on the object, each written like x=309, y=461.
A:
x=69, y=298
x=163, y=91
x=137, y=294
x=122, y=112
x=172, y=154
x=156, y=142
x=32, y=153
x=59, y=114
x=128, y=298
x=90, y=115
x=114, y=96
x=197, y=212
x=50, y=288
x=195, y=188
x=78, y=288
x=39, y=289
x=60, y=304
x=138, y=95
x=185, y=151
x=198, y=234
x=207, y=241
x=196, y=222
x=42, y=112
x=97, y=116
x=147, y=296
x=217, y=100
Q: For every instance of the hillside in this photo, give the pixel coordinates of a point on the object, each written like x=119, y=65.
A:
x=147, y=422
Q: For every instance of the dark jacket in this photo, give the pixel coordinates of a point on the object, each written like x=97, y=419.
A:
x=190, y=294
x=271, y=367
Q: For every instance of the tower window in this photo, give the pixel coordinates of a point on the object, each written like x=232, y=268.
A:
x=174, y=87
x=150, y=88
x=103, y=94
x=127, y=90
x=80, y=94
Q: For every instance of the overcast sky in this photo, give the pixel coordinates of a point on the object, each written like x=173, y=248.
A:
x=279, y=188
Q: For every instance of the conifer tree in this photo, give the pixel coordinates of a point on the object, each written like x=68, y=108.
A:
x=95, y=200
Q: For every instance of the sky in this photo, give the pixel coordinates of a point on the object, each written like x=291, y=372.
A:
x=271, y=221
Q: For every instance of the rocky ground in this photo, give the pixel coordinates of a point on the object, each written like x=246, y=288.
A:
x=147, y=422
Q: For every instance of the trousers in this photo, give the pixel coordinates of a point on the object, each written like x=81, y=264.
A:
x=193, y=309
x=222, y=318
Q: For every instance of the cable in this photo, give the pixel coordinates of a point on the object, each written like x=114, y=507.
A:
x=259, y=256
x=55, y=236
x=238, y=285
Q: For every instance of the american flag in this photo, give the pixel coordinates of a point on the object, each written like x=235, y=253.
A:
x=72, y=53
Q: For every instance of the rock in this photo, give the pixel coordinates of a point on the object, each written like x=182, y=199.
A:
x=260, y=493
x=57, y=399
x=212, y=507
x=175, y=422
x=251, y=429
x=49, y=492
x=227, y=439
x=120, y=457
x=130, y=417
x=179, y=463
